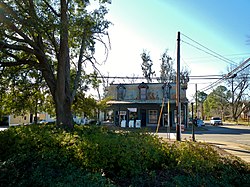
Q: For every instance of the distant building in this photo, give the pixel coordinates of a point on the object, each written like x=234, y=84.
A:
x=20, y=119
x=245, y=114
x=143, y=102
x=13, y=120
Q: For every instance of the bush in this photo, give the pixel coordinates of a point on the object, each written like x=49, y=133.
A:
x=40, y=155
x=44, y=155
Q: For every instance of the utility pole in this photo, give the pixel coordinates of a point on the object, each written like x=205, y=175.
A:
x=178, y=104
x=232, y=77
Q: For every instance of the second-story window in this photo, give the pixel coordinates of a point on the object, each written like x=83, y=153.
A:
x=143, y=91
x=120, y=92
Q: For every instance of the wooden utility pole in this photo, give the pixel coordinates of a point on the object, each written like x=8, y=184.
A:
x=232, y=77
x=178, y=104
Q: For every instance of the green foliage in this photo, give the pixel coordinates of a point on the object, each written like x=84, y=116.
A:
x=41, y=155
x=54, y=39
x=24, y=87
x=44, y=155
x=201, y=96
x=217, y=102
x=84, y=104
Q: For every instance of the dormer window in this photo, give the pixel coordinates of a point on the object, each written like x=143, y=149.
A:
x=120, y=92
x=143, y=91
x=166, y=90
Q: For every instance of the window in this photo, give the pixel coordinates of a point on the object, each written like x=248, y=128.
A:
x=143, y=91
x=166, y=90
x=152, y=116
x=120, y=92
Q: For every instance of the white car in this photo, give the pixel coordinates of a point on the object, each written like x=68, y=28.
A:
x=215, y=121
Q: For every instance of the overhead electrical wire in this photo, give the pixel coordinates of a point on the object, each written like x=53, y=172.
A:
x=227, y=76
x=218, y=56
x=206, y=50
x=211, y=52
x=183, y=41
x=238, y=56
x=137, y=77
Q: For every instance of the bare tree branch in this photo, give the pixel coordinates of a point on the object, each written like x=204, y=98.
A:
x=16, y=47
x=52, y=9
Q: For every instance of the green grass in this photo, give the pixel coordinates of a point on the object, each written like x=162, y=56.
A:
x=44, y=155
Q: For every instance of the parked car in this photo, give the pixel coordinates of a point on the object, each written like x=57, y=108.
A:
x=216, y=121
x=42, y=121
x=200, y=123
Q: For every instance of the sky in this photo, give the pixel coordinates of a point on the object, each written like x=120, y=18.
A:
x=221, y=26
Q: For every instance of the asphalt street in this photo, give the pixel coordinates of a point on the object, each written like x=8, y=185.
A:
x=234, y=139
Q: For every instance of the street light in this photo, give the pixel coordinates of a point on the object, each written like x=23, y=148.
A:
x=169, y=87
x=193, y=137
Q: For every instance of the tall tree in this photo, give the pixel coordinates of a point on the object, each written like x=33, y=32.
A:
x=201, y=97
x=53, y=37
x=239, y=94
x=238, y=81
x=217, y=102
x=146, y=66
x=167, y=72
x=22, y=89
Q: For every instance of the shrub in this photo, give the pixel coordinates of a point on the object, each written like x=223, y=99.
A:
x=44, y=155
x=39, y=155
x=120, y=155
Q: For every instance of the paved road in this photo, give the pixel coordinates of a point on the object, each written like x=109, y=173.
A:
x=238, y=134
x=230, y=133
x=234, y=139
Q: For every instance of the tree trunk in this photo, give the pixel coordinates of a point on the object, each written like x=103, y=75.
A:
x=63, y=99
x=64, y=114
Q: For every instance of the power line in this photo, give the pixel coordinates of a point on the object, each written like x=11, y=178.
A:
x=243, y=68
x=234, y=71
x=157, y=78
x=218, y=57
x=211, y=52
x=191, y=77
x=239, y=55
x=240, y=66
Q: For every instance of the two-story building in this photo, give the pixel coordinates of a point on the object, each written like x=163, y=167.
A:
x=145, y=103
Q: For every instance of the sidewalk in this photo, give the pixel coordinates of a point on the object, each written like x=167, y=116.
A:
x=238, y=150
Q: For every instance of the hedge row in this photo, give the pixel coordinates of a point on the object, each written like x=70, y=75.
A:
x=44, y=155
